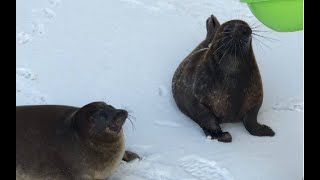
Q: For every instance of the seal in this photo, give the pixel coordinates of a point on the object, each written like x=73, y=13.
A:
x=70, y=143
x=219, y=81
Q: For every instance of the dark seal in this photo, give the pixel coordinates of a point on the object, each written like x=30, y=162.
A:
x=69, y=143
x=219, y=81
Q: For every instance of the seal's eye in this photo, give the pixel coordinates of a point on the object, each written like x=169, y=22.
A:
x=100, y=115
x=227, y=29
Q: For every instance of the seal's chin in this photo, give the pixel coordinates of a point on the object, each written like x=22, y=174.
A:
x=116, y=125
x=113, y=130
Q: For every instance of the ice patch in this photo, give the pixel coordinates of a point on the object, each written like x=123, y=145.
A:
x=167, y=124
x=23, y=37
x=26, y=91
x=291, y=104
x=203, y=169
x=162, y=91
x=145, y=169
x=55, y=2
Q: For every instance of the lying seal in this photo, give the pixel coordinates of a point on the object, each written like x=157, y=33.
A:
x=69, y=143
x=219, y=81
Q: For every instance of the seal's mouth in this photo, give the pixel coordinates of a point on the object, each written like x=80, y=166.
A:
x=117, y=122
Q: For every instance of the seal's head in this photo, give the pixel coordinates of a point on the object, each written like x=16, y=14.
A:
x=108, y=119
x=99, y=119
x=234, y=36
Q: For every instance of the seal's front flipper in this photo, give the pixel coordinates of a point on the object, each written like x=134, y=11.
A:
x=129, y=156
x=220, y=136
x=208, y=122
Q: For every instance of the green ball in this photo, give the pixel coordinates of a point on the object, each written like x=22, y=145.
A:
x=279, y=15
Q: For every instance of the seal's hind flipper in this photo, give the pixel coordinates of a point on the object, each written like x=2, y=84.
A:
x=129, y=156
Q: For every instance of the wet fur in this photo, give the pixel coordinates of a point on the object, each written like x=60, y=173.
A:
x=49, y=146
x=212, y=90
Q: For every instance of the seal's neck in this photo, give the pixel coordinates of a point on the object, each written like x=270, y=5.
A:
x=70, y=127
x=230, y=63
x=105, y=143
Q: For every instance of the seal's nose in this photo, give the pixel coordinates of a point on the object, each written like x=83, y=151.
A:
x=118, y=120
x=121, y=114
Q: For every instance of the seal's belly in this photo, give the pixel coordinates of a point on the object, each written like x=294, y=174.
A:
x=21, y=175
x=32, y=175
x=226, y=107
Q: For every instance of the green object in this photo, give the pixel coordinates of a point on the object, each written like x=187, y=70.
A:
x=279, y=15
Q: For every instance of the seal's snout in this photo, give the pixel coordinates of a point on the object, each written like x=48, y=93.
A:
x=118, y=120
x=238, y=30
x=121, y=114
x=241, y=31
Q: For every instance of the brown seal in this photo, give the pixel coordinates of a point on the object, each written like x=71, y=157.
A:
x=69, y=143
x=219, y=81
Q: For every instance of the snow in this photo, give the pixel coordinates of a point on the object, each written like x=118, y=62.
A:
x=125, y=52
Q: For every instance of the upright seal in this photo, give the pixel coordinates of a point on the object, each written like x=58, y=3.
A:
x=219, y=81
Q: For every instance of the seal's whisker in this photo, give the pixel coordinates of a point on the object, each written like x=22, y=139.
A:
x=257, y=44
x=224, y=33
x=131, y=116
x=224, y=53
x=240, y=49
x=254, y=30
x=255, y=26
x=262, y=43
x=235, y=50
x=132, y=125
x=268, y=38
x=252, y=24
x=241, y=43
x=220, y=47
x=218, y=40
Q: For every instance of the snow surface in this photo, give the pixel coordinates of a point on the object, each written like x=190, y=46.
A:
x=125, y=52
